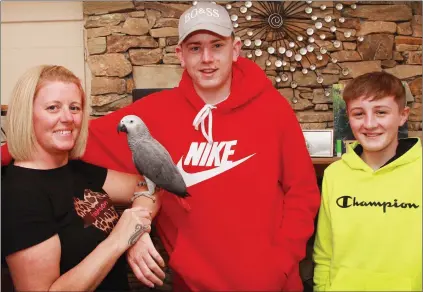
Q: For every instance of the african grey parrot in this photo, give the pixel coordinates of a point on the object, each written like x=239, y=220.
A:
x=151, y=159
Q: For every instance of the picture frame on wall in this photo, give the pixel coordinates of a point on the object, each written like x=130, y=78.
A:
x=319, y=142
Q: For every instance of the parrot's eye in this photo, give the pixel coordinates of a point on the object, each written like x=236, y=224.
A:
x=131, y=121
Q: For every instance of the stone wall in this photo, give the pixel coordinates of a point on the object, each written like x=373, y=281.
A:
x=127, y=39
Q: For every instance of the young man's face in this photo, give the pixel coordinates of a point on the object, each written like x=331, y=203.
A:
x=375, y=123
x=208, y=59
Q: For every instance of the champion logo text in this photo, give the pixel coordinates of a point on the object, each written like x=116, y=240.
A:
x=348, y=202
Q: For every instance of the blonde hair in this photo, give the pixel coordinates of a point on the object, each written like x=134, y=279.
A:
x=21, y=138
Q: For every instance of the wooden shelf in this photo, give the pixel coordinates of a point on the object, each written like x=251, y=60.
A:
x=324, y=160
x=4, y=109
x=320, y=164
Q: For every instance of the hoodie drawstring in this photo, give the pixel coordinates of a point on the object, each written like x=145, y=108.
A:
x=205, y=112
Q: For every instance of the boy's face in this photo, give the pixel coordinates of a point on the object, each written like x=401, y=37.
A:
x=208, y=58
x=375, y=123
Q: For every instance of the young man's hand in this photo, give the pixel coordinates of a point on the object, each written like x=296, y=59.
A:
x=146, y=262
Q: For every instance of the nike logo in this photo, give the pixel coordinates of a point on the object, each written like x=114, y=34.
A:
x=197, y=177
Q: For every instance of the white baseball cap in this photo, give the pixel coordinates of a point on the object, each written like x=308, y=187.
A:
x=205, y=16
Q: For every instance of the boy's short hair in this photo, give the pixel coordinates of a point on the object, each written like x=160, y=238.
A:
x=232, y=37
x=375, y=85
x=21, y=138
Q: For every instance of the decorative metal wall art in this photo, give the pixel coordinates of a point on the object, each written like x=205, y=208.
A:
x=292, y=36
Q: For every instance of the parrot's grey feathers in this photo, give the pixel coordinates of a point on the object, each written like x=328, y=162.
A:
x=151, y=159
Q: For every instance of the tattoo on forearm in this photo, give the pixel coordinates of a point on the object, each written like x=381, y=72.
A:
x=139, y=230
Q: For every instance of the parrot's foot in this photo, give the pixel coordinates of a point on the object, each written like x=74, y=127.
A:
x=144, y=194
x=141, y=183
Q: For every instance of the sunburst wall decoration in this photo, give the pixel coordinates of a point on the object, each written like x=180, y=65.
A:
x=292, y=36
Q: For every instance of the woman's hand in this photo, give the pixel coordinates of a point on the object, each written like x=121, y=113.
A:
x=145, y=262
x=133, y=223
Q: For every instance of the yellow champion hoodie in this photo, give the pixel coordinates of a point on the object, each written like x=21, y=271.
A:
x=369, y=234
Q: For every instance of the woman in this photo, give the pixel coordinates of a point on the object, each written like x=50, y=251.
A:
x=60, y=229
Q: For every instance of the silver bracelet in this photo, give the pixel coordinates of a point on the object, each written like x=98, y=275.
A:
x=143, y=194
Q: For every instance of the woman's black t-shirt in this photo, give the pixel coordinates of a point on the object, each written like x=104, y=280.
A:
x=68, y=201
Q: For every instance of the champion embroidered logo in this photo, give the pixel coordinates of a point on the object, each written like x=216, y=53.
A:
x=206, y=154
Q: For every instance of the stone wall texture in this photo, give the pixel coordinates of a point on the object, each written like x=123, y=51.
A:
x=127, y=39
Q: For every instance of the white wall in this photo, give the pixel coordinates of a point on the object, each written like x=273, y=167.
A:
x=40, y=32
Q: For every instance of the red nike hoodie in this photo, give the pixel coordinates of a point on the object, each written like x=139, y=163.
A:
x=253, y=189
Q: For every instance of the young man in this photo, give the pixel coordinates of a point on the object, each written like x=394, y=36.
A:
x=369, y=235
x=242, y=154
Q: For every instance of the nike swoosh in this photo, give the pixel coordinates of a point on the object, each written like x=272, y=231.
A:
x=197, y=177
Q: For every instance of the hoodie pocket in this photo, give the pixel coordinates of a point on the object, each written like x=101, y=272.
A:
x=349, y=279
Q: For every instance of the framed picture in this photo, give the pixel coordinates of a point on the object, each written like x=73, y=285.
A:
x=319, y=142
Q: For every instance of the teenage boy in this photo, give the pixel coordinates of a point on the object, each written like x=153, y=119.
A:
x=369, y=234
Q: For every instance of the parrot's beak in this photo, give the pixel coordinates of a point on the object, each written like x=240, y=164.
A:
x=122, y=128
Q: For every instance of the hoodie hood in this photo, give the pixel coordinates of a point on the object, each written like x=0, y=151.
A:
x=248, y=82
x=354, y=161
